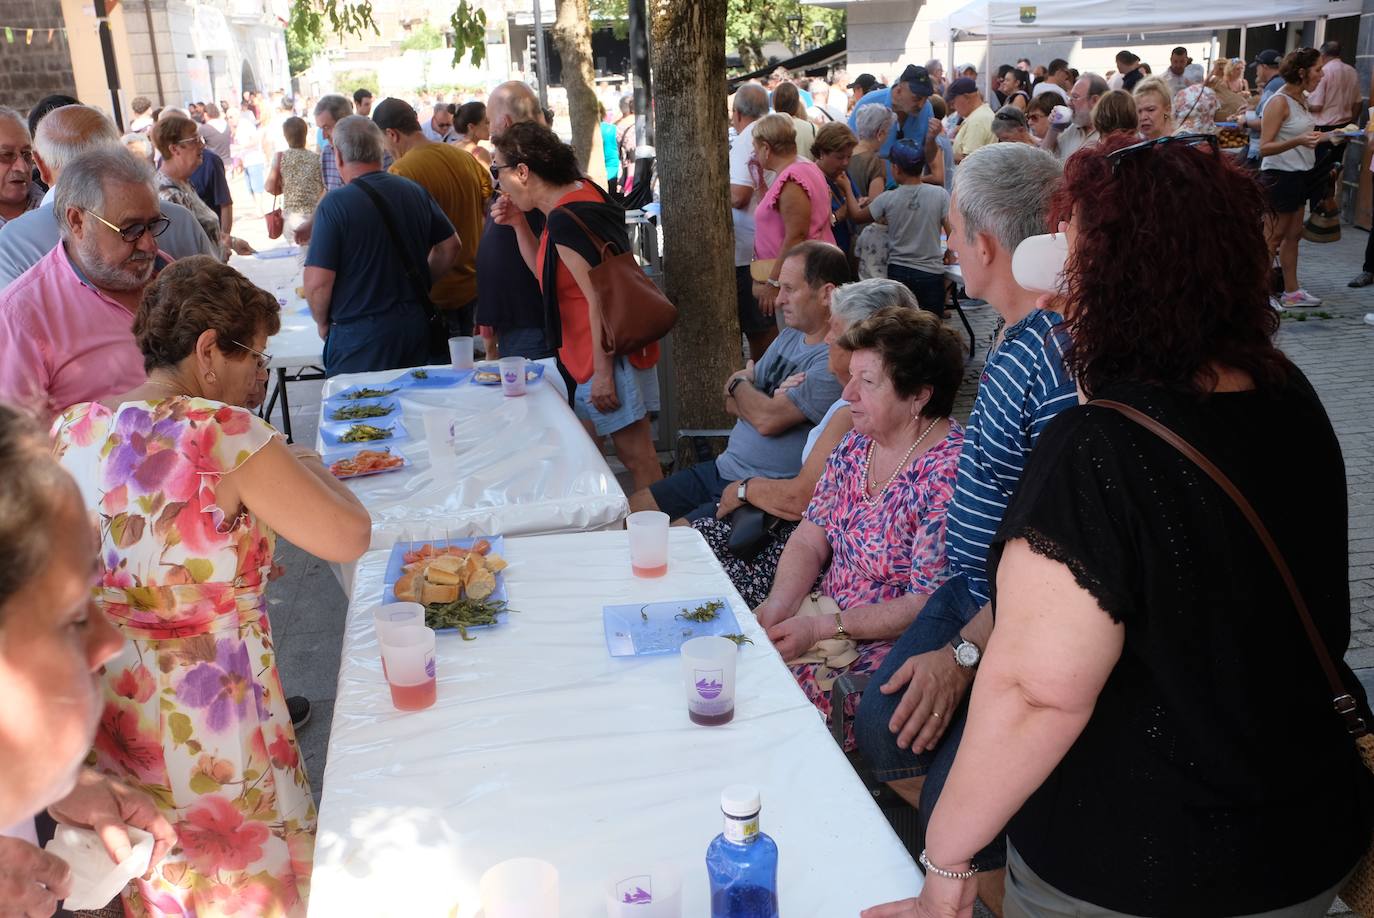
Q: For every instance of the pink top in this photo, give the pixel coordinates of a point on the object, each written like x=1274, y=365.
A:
x=1337, y=96
x=62, y=341
x=769, y=232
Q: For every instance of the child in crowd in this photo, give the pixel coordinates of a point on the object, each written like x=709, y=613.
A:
x=915, y=214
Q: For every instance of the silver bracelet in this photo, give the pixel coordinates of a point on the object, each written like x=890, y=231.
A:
x=947, y=874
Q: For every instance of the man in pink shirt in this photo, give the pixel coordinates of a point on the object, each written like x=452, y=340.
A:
x=66, y=325
x=1333, y=104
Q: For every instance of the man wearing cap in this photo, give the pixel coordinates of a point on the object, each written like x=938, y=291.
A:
x=968, y=70
x=1268, y=81
x=1064, y=141
x=909, y=97
x=975, y=127
x=862, y=86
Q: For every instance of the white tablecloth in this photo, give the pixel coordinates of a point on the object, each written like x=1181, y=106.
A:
x=298, y=344
x=525, y=465
x=541, y=744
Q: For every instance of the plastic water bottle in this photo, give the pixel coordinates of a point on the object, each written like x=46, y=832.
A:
x=742, y=861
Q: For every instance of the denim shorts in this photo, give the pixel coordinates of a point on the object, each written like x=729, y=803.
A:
x=637, y=391
x=253, y=176
x=948, y=609
x=690, y=494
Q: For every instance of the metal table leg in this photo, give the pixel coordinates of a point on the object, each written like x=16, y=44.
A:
x=954, y=301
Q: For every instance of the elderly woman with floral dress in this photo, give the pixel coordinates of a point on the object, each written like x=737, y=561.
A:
x=189, y=486
x=874, y=532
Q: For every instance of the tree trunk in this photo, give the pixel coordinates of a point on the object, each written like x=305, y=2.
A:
x=572, y=32
x=698, y=238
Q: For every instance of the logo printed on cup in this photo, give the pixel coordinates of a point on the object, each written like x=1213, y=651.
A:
x=429, y=667
x=709, y=683
x=636, y=890
x=511, y=377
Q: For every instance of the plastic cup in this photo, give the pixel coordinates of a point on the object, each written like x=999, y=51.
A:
x=638, y=893
x=523, y=887
x=708, y=674
x=408, y=656
x=395, y=615
x=512, y=376
x=460, y=352
x=648, y=543
x=439, y=437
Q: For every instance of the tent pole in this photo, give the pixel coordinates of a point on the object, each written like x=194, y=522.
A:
x=1319, y=33
x=1241, y=53
x=987, y=59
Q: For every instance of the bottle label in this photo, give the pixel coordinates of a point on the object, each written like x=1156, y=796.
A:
x=741, y=831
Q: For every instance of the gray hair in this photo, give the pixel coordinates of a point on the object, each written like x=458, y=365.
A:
x=141, y=139
x=10, y=114
x=935, y=64
x=1100, y=87
x=339, y=107
x=358, y=140
x=852, y=303
x=1004, y=190
x=70, y=131
x=627, y=103
x=751, y=100
x=873, y=121
x=1008, y=120
x=1193, y=73
x=440, y=107
x=83, y=181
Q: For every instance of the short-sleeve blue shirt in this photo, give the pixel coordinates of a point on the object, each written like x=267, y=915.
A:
x=350, y=239
x=911, y=126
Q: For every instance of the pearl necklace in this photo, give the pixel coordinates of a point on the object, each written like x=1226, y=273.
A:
x=870, y=484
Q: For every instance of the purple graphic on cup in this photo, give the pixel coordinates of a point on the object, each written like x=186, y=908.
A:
x=709, y=683
x=429, y=667
x=511, y=378
x=635, y=890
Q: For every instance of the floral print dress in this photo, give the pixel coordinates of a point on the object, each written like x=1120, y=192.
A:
x=879, y=551
x=194, y=713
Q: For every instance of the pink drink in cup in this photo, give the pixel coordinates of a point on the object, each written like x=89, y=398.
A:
x=408, y=655
x=394, y=615
x=512, y=375
x=648, y=531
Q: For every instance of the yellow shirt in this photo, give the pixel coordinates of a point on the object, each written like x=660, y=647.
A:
x=461, y=186
x=975, y=132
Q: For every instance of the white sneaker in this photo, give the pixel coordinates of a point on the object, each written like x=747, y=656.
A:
x=1369, y=318
x=1276, y=305
x=1300, y=297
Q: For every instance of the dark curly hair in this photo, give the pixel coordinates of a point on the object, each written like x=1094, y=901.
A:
x=541, y=150
x=917, y=349
x=1158, y=299
x=1293, y=67
x=192, y=295
x=32, y=486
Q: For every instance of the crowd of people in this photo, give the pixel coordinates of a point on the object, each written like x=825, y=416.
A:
x=1059, y=615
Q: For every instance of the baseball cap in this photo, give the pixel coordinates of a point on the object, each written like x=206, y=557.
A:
x=865, y=81
x=917, y=80
x=1268, y=57
x=908, y=155
x=959, y=87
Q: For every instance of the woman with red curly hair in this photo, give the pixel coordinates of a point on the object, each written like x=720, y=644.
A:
x=1148, y=665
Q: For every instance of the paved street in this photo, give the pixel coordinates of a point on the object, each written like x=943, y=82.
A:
x=1337, y=354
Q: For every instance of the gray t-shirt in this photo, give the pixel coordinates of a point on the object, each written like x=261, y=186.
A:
x=752, y=455
x=913, y=214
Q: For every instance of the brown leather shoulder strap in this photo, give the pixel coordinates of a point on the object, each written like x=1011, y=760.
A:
x=1342, y=701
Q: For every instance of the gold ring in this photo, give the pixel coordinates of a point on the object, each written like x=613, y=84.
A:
x=935, y=713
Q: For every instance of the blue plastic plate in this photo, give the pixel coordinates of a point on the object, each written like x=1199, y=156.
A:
x=395, y=566
x=285, y=251
x=334, y=456
x=332, y=434
x=332, y=405
x=648, y=629
x=349, y=395
x=483, y=374
x=434, y=378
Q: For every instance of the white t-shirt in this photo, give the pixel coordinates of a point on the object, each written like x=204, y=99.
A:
x=140, y=124
x=741, y=154
x=815, y=433
x=1051, y=87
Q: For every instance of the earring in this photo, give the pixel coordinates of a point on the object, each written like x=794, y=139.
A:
x=211, y=377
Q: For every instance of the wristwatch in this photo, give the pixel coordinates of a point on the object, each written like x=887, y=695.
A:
x=730, y=389
x=966, y=653
x=739, y=492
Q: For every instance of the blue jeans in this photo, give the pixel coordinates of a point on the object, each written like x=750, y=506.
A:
x=928, y=288
x=948, y=609
x=690, y=494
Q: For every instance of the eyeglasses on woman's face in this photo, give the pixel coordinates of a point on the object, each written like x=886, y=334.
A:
x=264, y=359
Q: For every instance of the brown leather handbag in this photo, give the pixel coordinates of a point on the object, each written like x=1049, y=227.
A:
x=276, y=220
x=1358, y=892
x=634, y=312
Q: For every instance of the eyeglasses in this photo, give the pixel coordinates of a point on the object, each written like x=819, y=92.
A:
x=196, y=139
x=496, y=170
x=134, y=231
x=1117, y=157
x=264, y=360
x=10, y=157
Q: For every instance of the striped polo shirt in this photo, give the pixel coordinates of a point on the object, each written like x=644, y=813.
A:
x=1023, y=386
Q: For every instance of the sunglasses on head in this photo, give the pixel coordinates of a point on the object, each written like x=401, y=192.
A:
x=1117, y=157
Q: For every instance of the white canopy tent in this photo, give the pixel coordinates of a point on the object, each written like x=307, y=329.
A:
x=1027, y=19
